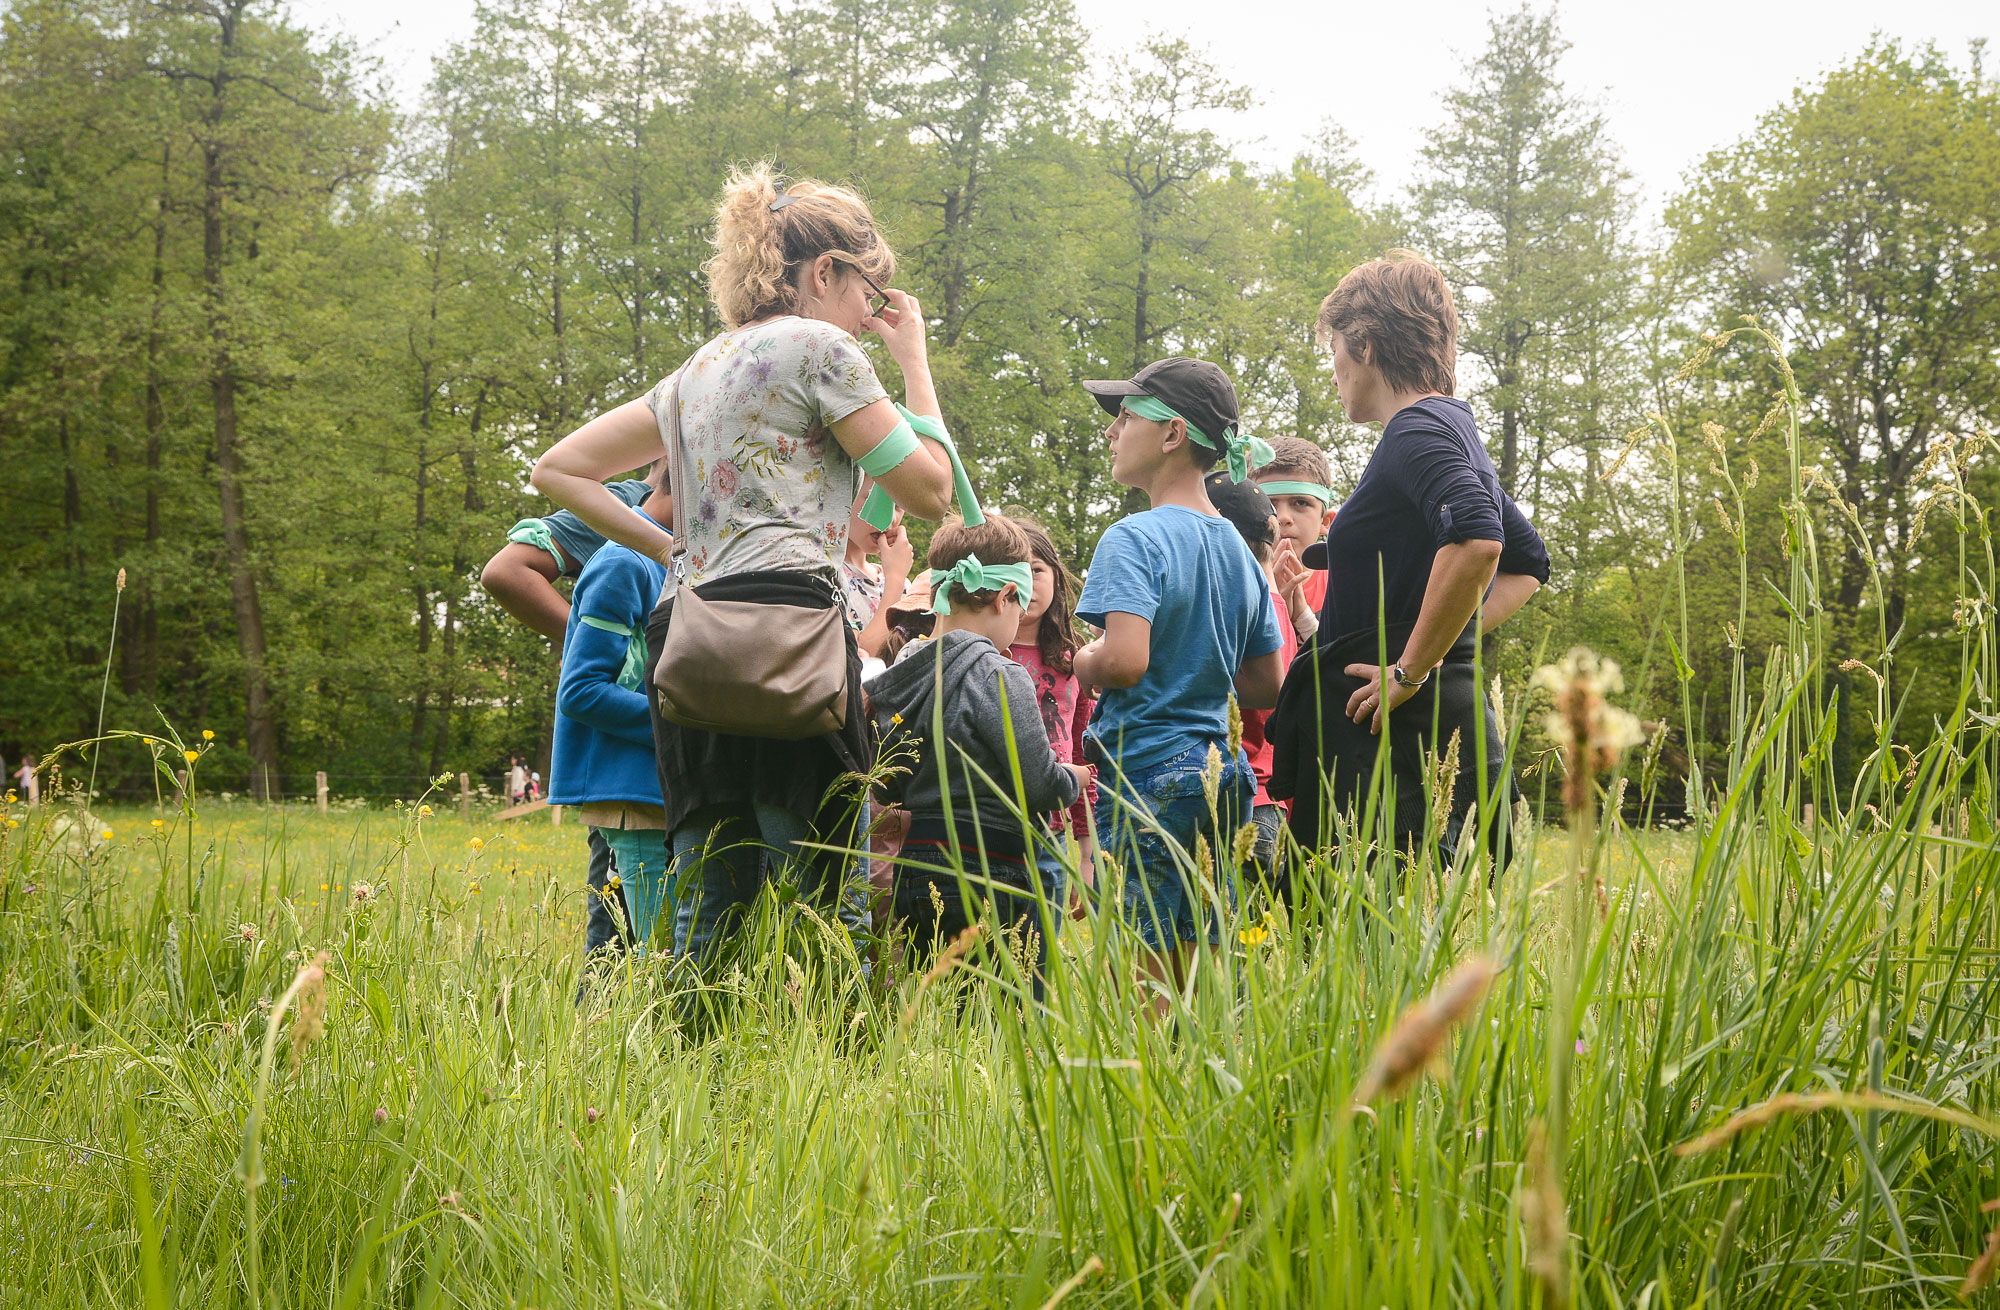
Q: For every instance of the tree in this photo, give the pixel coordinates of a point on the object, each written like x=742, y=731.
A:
x=1522, y=205
x=1857, y=222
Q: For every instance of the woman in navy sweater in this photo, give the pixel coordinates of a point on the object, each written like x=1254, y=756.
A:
x=1452, y=554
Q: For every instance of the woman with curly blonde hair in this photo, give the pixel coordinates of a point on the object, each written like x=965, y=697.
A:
x=778, y=416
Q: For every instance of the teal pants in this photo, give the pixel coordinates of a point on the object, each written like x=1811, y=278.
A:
x=641, y=863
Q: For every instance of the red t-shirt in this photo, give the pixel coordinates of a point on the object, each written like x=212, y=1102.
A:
x=1066, y=708
x=1254, y=742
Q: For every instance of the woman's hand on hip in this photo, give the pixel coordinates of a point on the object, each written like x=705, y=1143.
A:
x=1378, y=694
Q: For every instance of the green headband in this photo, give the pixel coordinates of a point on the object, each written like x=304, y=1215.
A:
x=878, y=511
x=1242, y=453
x=970, y=575
x=1322, y=494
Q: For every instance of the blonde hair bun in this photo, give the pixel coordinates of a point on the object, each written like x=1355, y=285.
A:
x=758, y=249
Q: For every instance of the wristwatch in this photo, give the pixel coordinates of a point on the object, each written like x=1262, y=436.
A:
x=1403, y=679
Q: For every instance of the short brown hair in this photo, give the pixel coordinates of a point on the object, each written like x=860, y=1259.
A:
x=1294, y=459
x=996, y=541
x=1397, y=314
x=757, y=249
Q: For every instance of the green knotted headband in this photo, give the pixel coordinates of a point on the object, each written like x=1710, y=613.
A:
x=1242, y=453
x=970, y=575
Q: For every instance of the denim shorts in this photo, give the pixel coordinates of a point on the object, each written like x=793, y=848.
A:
x=1154, y=848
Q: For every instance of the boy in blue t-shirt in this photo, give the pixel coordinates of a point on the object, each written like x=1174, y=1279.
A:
x=1187, y=619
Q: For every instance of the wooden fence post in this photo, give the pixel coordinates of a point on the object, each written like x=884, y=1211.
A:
x=555, y=816
x=465, y=797
x=319, y=789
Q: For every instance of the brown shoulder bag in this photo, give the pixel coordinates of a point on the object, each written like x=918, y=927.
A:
x=746, y=668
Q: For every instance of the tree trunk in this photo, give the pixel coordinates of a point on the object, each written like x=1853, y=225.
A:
x=260, y=728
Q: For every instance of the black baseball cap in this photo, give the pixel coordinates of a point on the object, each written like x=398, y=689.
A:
x=1314, y=556
x=1195, y=389
x=1247, y=509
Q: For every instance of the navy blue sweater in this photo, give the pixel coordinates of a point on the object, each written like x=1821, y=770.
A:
x=1429, y=484
x=604, y=734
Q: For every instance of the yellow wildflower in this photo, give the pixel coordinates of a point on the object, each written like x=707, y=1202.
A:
x=159, y=823
x=614, y=882
x=475, y=888
x=192, y=756
x=423, y=811
x=477, y=844
x=322, y=887
x=13, y=823
x=1254, y=935
x=208, y=734
x=107, y=834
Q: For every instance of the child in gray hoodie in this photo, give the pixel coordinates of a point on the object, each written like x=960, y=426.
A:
x=981, y=581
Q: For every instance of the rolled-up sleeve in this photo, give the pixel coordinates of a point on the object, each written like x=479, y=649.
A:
x=1438, y=475
x=1521, y=548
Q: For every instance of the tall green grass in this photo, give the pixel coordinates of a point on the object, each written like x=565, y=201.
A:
x=789, y=1131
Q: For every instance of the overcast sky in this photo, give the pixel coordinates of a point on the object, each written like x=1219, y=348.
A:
x=1676, y=79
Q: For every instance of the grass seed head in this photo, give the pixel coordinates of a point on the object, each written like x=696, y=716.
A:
x=1414, y=1043
x=309, y=1025
x=1546, y=1221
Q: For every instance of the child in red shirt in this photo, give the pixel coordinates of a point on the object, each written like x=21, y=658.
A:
x=1046, y=645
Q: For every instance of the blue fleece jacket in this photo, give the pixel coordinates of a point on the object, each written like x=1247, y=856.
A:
x=604, y=734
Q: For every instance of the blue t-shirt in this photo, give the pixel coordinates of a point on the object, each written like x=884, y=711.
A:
x=578, y=539
x=1191, y=576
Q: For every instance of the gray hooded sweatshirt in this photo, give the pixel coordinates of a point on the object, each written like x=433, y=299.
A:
x=975, y=725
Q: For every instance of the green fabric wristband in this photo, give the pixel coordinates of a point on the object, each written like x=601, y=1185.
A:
x=1324, y=495
x=970, y=575
x=878, y=511
x=1241, y=453
x=534, y=532
x=631, y=674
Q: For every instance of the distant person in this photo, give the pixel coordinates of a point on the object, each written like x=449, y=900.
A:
x=1250, y=511
x=957, y=716
x=517, y=780
x=1428, y=518
x=1045, y=643
x=603, y=756
x=778, y=417
x=1178, y=570
x=31, y=781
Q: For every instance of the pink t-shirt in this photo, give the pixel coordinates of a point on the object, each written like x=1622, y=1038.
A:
x=1066, y=710
x=1255, y=743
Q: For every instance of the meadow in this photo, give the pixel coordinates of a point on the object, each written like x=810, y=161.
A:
x=250, y=1056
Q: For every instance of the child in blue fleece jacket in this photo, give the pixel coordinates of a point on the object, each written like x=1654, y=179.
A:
x=603, y=760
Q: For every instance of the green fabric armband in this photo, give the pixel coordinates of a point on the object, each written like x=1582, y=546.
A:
x=970, y=575
x=534, y=532
x=631, y=674
x=878, y=511
x=1322, y=494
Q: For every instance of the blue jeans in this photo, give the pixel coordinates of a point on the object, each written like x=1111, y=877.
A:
x=723, y=856
x=1152, y=817
x=603, y=930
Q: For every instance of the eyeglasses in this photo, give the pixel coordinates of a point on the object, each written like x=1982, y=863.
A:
x=877, y=302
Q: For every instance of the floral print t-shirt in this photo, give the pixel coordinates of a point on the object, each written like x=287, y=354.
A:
x=767, y=486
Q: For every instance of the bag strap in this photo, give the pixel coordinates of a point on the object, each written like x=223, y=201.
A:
x=670, y=429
